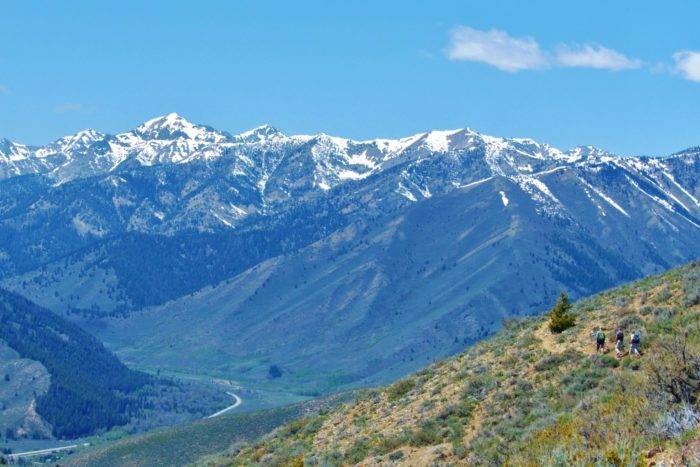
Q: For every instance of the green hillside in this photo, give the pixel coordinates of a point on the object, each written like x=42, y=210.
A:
x=529, y=397
x=187, y=443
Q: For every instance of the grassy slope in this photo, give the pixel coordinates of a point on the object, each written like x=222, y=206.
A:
x=524, y=397
x=184, y=444
x=187, y=443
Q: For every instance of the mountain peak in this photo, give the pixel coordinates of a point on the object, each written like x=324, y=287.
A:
x=87, y=135
x=259, y=134
x=11, y=149
x=588, y=152
x=172, y=126
x=167, y=126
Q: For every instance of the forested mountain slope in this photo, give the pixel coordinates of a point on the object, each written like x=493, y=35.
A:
x=86, y=379
x=77, y=387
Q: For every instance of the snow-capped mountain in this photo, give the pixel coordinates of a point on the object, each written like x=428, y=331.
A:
x=171, y=139
x=264, y=167
x=307, y=249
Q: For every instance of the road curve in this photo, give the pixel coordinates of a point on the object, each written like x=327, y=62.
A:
x=238, y=401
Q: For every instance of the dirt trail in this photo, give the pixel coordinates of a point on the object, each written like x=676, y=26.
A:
x=549, y=341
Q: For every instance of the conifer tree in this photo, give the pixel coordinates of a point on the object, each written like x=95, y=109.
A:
x=560, y=317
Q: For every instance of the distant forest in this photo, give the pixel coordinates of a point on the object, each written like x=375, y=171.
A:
x=89, y=385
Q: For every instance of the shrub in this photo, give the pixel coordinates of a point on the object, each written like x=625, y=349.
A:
x=358, y=451
x=389, y=443
x=549, y=362
x=691, y=288
x=396, y=456
x=605, y=361
x=554, y=360
x=426, y=435
x=453, y=428
x=560, y=317
x=513, y=323
x=631, y=321
x=476, y=388
x=461, y=410
x=313, y=426
x=663, y=295
x=664, y=312
x=460, y=451
x=612, y=458
x=400, y=388
x=675, y=368
x=582, y=380
x=631, y=363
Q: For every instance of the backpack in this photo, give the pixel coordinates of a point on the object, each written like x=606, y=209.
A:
x=619, y=336
x=635, y=338
x=600, y=336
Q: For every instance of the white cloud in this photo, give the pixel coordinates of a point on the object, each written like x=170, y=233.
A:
x=594, y=56
x=688, y=64
x=507, y=53
x=4, y=89
x=495, y=48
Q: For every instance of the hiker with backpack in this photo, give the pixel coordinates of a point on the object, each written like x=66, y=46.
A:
x=619, y=342
x=599, y=340
x=634, y=343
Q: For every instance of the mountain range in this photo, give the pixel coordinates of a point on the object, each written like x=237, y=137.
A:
x=340, y=262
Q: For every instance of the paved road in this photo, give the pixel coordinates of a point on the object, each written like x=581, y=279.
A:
x=238, y=402
x=39, y=452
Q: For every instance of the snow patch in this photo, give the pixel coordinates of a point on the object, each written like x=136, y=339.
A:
x=439, y=141
x=608, y=199
x=425, y=191
x=477, y=182
x=504, y=198
x=406, y=193
x=85, y=228
x=350, y=175
x=678, y=185
x=361, y=159
x=660, y=201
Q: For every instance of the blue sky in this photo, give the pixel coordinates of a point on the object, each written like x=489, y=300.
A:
x=622, y=75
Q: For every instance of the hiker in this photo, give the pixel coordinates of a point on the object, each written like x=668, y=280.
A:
x=599, y=340
x=619, y=342
x=634, y=343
